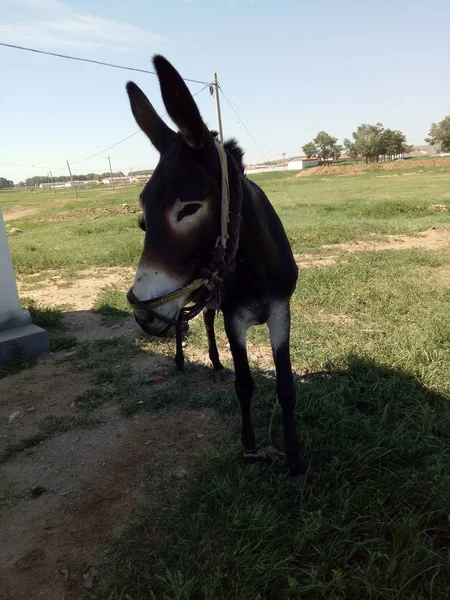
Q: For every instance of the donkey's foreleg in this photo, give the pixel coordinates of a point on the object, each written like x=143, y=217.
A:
x=244, y=386
x=208, y=318
x=279, y=324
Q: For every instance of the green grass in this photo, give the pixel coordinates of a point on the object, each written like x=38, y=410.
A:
x=113, y=306
x=373, y=522
x=51, y=319
x=315, y=210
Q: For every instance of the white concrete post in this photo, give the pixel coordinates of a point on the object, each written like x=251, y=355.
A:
x=18, y=335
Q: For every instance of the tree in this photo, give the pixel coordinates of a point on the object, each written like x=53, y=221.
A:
x=351, y=149
x=387, y=144
x=440, y=134
x=367, y=139
x=336, y=152
x=310, y=150
x=325, y=145
x=6, y=183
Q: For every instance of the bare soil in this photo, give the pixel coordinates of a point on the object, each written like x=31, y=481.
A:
x=93, y=211
x=91, y=487
x=20, y=213
x=79, y=292
x=433, y=239
x=355, y=169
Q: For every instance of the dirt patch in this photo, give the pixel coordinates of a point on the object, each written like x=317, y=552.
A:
x=43, y=392
x=19, y=213
x=94, y=211
x=86, y=326
x=305, y=261
x=437, y=275
x=92, y=487
x=388, y=166
x=81, y=292
x=333, y=318
x=433, y=239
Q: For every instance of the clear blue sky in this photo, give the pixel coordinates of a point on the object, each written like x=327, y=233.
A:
x=290, y=68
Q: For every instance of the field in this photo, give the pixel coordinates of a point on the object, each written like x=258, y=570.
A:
x=121, y=480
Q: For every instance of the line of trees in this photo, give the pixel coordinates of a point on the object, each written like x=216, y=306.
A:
x=440, y=134
x=6, y=183
x=37, y=179
x=142, y=172
x=371, y=143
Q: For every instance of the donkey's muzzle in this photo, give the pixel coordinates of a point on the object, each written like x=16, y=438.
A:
x=148, y=318
x=150, y=325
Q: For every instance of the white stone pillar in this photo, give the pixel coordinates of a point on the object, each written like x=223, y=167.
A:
x=18, y=335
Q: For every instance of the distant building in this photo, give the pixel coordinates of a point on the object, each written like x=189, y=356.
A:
x=301, y=162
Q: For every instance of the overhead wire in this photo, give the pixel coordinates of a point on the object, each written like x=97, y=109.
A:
x=89, y=60
x=92, y=155
x=258, y=145
x=207, y=85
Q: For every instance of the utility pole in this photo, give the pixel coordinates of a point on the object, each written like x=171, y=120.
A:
x=53, y=183
x=110, y=170
x=71, y=179
x=219, y=115
x=284, y=161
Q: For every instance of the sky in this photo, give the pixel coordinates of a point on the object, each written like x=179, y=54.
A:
x=289, y=68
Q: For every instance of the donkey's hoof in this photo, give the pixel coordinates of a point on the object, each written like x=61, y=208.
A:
x=225, y=375
x=299, y=481
x=256, y=465
x=255, y=460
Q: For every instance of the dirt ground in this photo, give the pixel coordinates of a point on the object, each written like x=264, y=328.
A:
x=63, y=499
x=92, y=487
x=79, y=292
x=433, y=239
x=387, y=166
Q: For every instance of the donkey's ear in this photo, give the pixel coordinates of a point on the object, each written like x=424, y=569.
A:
x=180, y=104
x=148, y=119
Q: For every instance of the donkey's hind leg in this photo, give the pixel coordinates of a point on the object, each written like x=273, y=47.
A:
x=208, y=318
x=279, y=324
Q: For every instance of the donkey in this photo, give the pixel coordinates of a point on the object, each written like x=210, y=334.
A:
x=251, y=280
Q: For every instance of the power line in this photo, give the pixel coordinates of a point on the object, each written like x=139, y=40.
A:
x=207, y=85
x=32, y=166
x=244, y=125
x=92, y=155
x=90, y=169
x=95, y=62
x=108, y=148
x=261, y=150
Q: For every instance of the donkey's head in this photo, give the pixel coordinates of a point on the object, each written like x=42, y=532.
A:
x=180, y=202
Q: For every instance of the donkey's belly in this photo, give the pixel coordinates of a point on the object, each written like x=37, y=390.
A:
x=256, y=313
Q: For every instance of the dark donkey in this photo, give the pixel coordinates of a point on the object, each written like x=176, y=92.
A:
x=250, y=277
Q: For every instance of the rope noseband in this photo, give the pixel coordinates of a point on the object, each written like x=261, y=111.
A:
x=211, y=277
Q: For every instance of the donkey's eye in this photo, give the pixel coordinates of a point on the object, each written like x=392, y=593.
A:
x=187, y=211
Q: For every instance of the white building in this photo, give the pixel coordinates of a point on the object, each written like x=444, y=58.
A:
x=301, y=162
x=297, y=163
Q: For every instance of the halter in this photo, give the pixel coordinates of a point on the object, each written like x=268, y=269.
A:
x=212, y=282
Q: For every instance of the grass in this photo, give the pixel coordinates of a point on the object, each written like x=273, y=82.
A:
x=113, y=306
x=315, y=210
x=373, y=522
x=51, y=319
